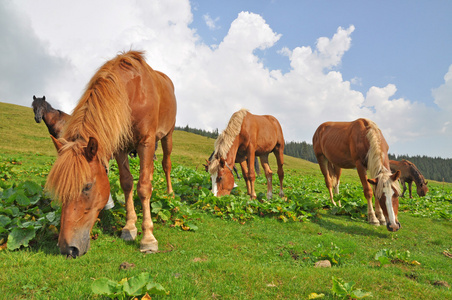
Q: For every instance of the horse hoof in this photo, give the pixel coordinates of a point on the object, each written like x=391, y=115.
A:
x=152, y=247
x=375, y=223
x=129, y=235
x=110, y=204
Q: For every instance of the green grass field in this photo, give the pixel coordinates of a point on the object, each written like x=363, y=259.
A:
x=236, y=248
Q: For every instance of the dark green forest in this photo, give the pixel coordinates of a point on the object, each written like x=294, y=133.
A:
x=434, y=168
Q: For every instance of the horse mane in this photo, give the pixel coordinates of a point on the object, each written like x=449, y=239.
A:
x=103, y=112
x=414, y=171
x=226, y=138
x=375, y=158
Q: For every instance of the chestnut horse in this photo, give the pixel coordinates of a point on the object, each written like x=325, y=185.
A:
x=409, y=173
x=361, y=145
x=246, y=137
x=53, y=118
x=126, y=105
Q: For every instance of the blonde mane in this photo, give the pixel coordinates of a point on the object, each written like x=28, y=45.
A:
x=375, y=158
x=103, y=112
x=225, y=140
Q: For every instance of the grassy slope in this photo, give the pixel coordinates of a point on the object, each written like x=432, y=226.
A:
x=225, y=260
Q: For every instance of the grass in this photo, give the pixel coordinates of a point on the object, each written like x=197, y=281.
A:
x=263, y=259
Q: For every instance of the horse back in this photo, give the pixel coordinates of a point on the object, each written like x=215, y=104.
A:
x=263, y=132
x=151, y=99
x=342, y=143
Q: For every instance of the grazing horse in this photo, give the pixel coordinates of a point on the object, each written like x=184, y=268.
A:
x=409, y=173
x=53, y=118
x=126, y=105
x=361, y=145
x=246, y=137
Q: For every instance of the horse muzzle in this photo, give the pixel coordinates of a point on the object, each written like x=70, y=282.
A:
x=76, y=247
x=393, y=228
x=38, y=119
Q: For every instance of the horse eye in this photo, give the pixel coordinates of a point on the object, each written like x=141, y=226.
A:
x=87, y=187
x=219, y=178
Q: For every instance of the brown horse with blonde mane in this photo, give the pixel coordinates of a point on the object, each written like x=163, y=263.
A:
x=409, y=173
x=361, y=145
x=126, y=105
x=246, y=137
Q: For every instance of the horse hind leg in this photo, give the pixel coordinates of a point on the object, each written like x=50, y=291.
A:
x=323, y=164
x=279, y=154
x=268, y=175
x=335, y=178
x=167, y=147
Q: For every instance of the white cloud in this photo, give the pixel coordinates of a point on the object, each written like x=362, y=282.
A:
x=211, y=23
x=64, y=50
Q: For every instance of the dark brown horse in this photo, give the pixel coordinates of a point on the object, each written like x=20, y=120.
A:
x=361, y=145
x=126, y=105
x=409, y=173
x=246, y=137
x=53, y=118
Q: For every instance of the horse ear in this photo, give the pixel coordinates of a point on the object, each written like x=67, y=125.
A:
x=91, y=149
x=57, y=143
x=222, y=162
x=34, y=97
x=426, y=182
x=395, y=176
x=373, y=181
x=43, y=97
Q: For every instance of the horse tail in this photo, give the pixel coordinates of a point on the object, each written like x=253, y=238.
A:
x=375, y=156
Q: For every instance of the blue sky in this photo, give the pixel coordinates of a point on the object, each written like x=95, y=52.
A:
x=305, y=62
x=402, y=42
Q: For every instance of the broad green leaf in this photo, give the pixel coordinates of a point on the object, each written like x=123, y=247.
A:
x=135, y=286
x=20, y=237
x=4, y=220
x=20, y=198
x=154, y=288
x=105, y=286
x=50, y=216
x=32, y=188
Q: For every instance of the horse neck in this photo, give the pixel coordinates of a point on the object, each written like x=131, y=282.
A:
x=232, y=153
x=417, y=176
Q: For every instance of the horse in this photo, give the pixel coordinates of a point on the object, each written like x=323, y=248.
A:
x=409, y=173
x=361, y=145
x=54, y=119
x=126, y=105
x=246, y=137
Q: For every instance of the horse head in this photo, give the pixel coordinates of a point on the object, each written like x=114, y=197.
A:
x=422, y=188
x=38, y=108
x=79, y=179
x=221, y=176
x=387, y=195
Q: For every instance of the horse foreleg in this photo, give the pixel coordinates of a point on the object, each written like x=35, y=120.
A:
x=251, y=172
x=279, y=154
x=404, y=187
x=167, y=147
x=245, y=174
x=409, y=189
x=146, y=151
x=362, y=172
x=129, y=231
x=268, y=175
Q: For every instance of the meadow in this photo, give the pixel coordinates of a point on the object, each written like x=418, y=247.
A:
x=217, y=248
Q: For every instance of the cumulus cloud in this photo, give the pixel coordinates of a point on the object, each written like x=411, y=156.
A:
x=211, y=82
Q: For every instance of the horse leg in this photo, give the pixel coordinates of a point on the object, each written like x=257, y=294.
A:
x=404, y=187
x=409, y=188
x=336, y=179
x=129, y=231
x=268, y=175
x=251, y=173
x=167, y=147
x=323, y=164
x=362, y=172
x=279, y=154
x=245, y=176
x=146, y=151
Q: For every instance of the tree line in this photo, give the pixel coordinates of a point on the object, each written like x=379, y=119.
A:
x=434, y=168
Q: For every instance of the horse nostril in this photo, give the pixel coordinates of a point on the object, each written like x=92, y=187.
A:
x=390, y=228
x=73, y=252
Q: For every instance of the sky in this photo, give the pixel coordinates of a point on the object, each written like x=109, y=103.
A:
x=304, y=62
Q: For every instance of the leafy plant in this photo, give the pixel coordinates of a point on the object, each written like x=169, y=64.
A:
x=334, y=254
x=388, y=256
x=25, y=214
x=128, y=287
x=346, y=290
